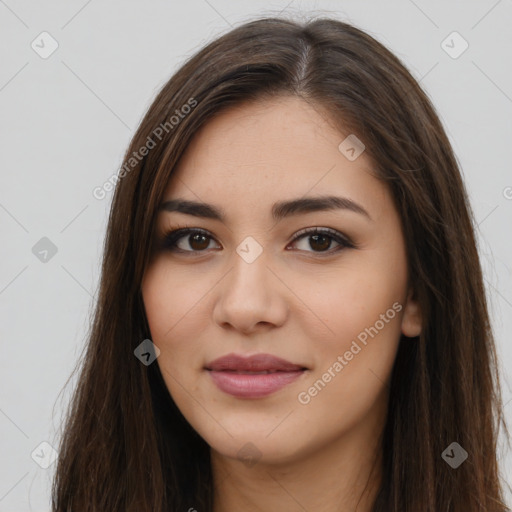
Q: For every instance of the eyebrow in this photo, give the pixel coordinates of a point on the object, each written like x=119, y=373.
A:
x=280, y=210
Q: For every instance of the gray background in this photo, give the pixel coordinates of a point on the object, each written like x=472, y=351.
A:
x=67, y=119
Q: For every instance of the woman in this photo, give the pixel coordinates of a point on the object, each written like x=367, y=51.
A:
x=291, y=310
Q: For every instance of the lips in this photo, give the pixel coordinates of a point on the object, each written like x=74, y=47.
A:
x=252, y=377
x=258, y=363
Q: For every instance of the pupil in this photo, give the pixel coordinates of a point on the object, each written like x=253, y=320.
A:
x=315, y=239
x=201, y=240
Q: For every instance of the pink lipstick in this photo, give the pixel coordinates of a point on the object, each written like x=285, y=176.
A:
x=255, y=376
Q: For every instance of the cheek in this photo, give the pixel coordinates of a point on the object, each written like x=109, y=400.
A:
x=362, y=306
x=170, y=297
x=350, y=300
x=353, y=363
x=172, y=317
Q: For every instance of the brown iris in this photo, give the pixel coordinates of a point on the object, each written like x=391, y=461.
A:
x=317, y=240
x=198, y=241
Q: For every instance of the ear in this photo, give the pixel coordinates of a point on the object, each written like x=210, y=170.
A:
x=411, y=319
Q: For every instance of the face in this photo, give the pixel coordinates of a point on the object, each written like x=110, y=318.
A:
x=323, y=286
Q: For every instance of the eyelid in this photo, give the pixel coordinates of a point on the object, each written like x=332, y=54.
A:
x=333, y=233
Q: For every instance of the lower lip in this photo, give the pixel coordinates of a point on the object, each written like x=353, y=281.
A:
x=243, y=385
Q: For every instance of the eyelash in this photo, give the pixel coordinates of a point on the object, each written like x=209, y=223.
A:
x=169, y=239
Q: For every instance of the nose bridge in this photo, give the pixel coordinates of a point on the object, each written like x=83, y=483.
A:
x=249, y=268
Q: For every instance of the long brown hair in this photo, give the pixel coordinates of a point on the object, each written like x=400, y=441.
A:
x=125, y=445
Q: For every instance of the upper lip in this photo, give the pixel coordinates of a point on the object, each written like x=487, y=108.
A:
x=254, y=363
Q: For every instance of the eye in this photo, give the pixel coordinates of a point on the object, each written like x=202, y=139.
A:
x=320, y=240
x=186, y=240
x=196, y=240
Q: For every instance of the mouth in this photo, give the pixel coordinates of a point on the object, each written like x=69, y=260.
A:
x=257, y=363
x=245, y=372
x=256, y=376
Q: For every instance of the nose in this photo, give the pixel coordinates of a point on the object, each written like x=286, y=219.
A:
x=250, y=298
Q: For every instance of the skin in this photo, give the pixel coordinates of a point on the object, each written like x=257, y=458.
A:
x=294, y=301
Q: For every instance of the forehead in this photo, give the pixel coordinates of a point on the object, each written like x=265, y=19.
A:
x=263, y=152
